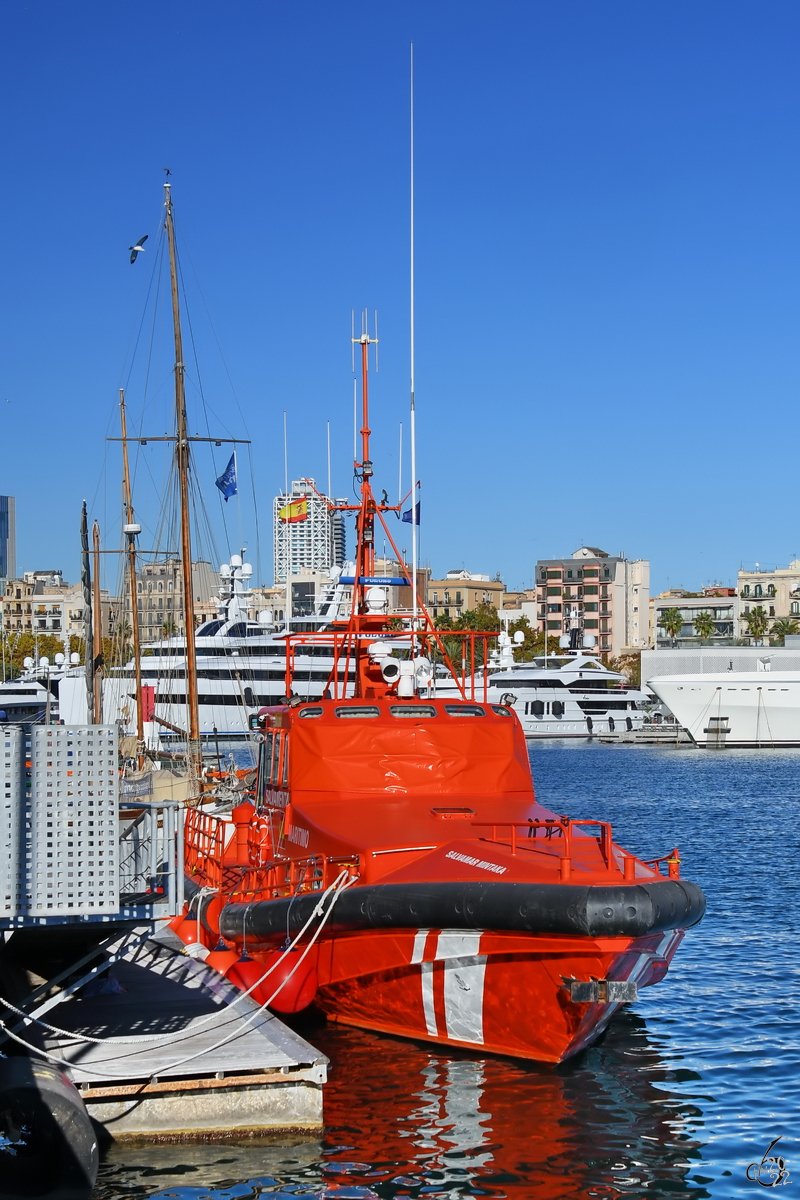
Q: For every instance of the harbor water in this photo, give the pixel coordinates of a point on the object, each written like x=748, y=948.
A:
x=688, y=1087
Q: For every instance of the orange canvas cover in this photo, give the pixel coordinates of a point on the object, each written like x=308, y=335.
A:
x=438, y=756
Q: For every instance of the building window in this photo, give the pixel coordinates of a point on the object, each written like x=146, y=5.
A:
x=458, y=597
x=746, y=590
x=795, y=608
x=772, y=610
x=758, y=590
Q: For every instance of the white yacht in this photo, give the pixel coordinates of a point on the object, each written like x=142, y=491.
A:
x=241, y=666
x=567, y=695
x=33, y=696
x=735, y=708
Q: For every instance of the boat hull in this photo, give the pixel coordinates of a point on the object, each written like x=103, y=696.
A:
x=734, y=708
x=502, y=992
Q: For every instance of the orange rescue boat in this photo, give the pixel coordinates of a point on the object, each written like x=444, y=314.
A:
x=394, y=867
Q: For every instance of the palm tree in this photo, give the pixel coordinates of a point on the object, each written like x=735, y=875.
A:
x=672, y=621
x=757, y=624
x=781, y=627
x=704, y=625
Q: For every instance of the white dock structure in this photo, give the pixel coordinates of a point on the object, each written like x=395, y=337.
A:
x=159, y=1044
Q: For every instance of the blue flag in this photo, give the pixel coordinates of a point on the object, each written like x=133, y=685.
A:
x=227, y=480
x=412, y=519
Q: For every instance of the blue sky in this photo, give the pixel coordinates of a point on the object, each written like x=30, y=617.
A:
x=608, y=266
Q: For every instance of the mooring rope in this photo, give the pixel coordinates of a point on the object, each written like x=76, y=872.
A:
x=336, y=888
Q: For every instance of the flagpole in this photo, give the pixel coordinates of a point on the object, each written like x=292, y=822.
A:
x=413, y=422
x=288, y=601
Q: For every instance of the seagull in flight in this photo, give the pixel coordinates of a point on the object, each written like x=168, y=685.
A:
x=138, y=248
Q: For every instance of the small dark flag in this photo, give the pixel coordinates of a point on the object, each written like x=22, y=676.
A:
x=412, y=515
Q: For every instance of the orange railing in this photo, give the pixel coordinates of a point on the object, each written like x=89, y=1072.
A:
x=251, y=865
x=561, y=827
x=470, y=674
x=203, y=847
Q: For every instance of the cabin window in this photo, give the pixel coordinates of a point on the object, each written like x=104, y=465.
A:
x=311, y=712
x=360, y=710
x=265, y=757
x=412, y=710
x=276, y=759
x=285, y=762
x=501, y=712
x=464, y=710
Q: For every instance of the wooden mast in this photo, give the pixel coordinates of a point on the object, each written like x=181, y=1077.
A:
x=182, y=461
x=97, y=632
x=86, y=583
x=131, y=529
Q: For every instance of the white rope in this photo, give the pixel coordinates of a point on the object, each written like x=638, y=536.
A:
x=248, y=1020
x=337, y=887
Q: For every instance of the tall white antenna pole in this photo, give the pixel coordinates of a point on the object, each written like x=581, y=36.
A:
x=412, y=365
x=355, y=423
x=329, y=459
x=400, y=468
x=286, y=540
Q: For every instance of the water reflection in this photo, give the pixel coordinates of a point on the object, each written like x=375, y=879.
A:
x=403, y=1120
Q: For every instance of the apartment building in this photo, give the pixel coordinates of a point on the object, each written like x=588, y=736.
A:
x=776, y=591
x=307, y=536
x=597, y=593
x=42, y=603
x=719, y=602
x=461, y=591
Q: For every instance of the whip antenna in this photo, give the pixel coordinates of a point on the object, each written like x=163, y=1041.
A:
x=414, y=509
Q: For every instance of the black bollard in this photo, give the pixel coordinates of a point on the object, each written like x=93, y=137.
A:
x=48, y=1148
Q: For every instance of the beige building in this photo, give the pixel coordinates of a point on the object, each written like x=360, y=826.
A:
x=777, y=592
x=159, y=597
x=41, y=603
x=461, y=591
x=608, y=597
x=719, y=602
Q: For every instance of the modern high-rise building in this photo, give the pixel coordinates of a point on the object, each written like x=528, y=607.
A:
x=308, y=536
x=8, y=538
x=598, y=593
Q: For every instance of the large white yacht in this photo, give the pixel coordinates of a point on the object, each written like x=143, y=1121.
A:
x=241, y=666
x=567, y=695
x=735, y=708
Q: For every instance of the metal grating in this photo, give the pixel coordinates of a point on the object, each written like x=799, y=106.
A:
x=15, y=780
x=60, y=852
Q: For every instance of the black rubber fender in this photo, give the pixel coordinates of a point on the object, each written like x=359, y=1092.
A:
x=48, y=1148
x=624, y=910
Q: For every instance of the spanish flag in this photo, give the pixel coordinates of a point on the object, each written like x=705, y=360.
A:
x=295, y=510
